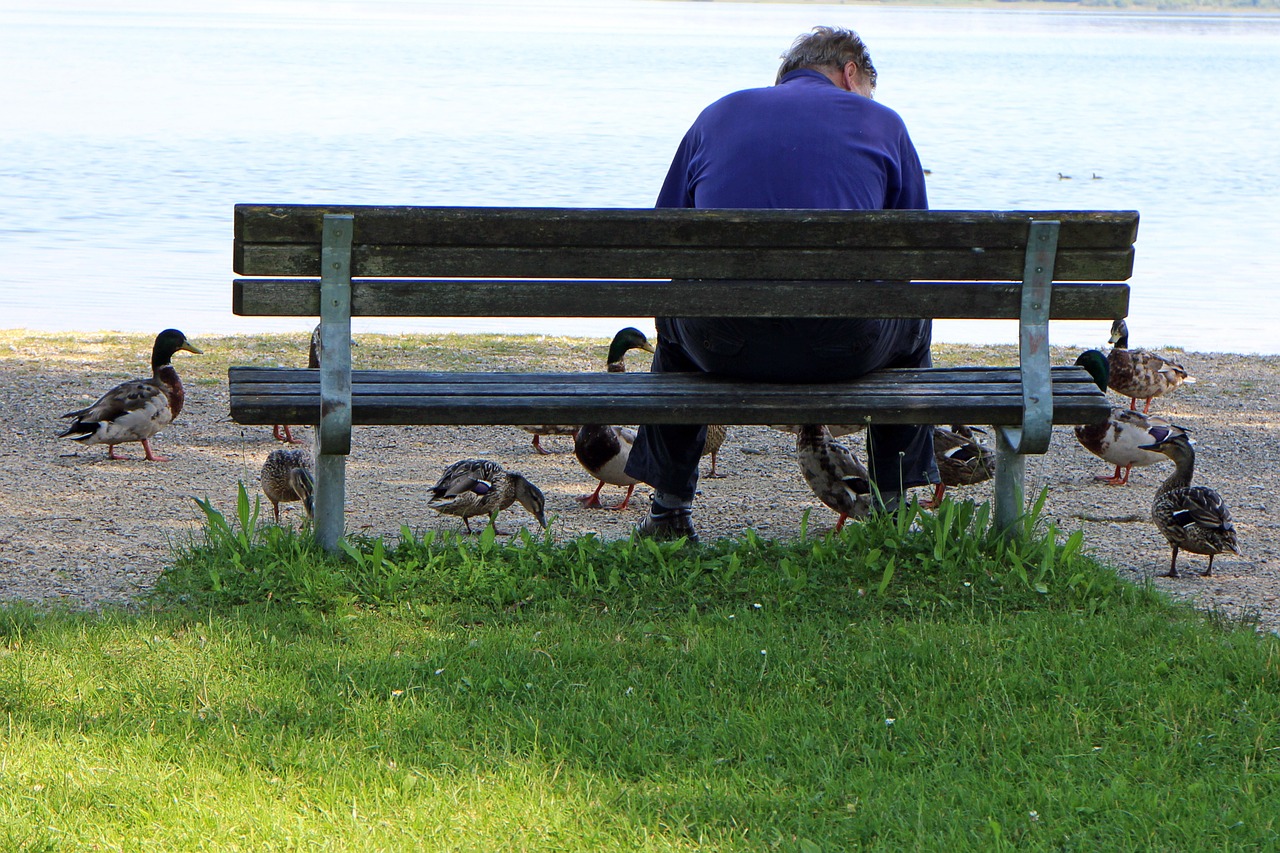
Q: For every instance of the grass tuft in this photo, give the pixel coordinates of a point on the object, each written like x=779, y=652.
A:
x=913, y=682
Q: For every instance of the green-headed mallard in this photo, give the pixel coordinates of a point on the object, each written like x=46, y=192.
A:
x=281, y=431
x=625, y=340
x=962, y=460
x=287, y=477
x=138, y=409
x=1139, y=374
x=601, y=449
x=1192, y=518
x=1120, y=439
x=833, y=473
x=472, y=487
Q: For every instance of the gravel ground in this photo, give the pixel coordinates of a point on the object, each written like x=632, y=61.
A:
x=83, y=530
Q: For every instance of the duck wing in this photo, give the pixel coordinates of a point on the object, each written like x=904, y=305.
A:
x=131, y=411
x=475, y=476
x=1203, y=507
x=131, y=396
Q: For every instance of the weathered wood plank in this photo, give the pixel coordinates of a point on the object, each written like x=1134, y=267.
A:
x=417, y=298
x=585, y=227
x=655, y=398
x=479, y=410
x=414, y=297
x=889, y=377
x=755, y=262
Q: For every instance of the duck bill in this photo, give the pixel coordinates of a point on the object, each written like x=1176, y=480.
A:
x=190, y=347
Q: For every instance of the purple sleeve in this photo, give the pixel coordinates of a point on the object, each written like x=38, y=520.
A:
x=677, y=190
x=911, y=193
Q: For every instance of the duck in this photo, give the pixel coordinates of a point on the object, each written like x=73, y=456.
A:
x=287, y=477
x=716, y=434
x=1120, y=438
x=281, y=432
x=601, y=449
x=962, y=460
x=471, y=487
x=1192, y=518
x=834, y=474
x=1140, y=374
x=138, y=409
x=625, y=340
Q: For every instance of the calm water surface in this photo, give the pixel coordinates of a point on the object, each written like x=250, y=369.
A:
x=129, y=129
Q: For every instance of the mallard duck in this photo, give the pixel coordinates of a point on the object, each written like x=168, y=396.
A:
x=1121, y=437
x=1139, y=374
x=287, y=477
x=138, y=409
x=624, y=341
x=962, y=460
x=1192, y=518
x=472, y=487
x=603, y=451
x=833, y=473
x=716, y=434
x=281, y=431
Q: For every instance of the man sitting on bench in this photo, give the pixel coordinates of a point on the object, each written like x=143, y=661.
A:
x=815, y=139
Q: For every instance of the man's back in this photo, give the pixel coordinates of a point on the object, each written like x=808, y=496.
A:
x=804, y=143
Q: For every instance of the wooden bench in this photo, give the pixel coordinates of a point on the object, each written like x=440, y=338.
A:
x=340, y=262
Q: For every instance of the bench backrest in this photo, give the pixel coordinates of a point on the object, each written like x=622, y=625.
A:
x=555, y=262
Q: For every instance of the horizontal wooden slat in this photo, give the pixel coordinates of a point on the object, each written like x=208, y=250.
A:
x=418, y=298
x=968, y=395
x=760, y=262
x=282, y=240
x=669, y=228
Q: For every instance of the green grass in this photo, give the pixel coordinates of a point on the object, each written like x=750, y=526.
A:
x=910, y=684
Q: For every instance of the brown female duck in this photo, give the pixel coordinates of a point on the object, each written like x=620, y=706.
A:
x=1192, y=518
x=1139, y=374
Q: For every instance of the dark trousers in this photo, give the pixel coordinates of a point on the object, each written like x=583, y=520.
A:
x=786, y=350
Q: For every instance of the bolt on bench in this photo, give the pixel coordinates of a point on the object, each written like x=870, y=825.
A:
x=342, y=262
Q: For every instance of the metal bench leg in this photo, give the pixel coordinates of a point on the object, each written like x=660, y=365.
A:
x=1012, y=444
x=1010, y=473
x=333, y=436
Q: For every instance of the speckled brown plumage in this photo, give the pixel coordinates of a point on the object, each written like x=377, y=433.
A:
x=1192, y=518
x=472, y=487
x=834, y=474
x=287, y=477
x=1139, y=374
x=716, y=434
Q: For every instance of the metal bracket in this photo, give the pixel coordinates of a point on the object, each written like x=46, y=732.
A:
x=1033, y=341
x=335, y=335
x=333, y=435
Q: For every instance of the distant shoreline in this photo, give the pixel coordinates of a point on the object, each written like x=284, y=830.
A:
x=1138, y=7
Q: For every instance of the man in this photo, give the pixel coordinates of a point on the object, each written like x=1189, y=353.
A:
x=815, y=139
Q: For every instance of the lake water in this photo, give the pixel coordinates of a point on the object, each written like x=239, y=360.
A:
x=129, y=128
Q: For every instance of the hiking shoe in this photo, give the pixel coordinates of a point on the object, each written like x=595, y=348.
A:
x=887, y=503
x=667, y=524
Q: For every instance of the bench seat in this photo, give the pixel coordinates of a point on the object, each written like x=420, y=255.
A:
x=971, y=395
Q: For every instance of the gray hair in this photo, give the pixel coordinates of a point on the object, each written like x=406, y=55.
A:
x=826, y=48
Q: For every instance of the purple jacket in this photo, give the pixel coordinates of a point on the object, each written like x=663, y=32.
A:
x=804, y=143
